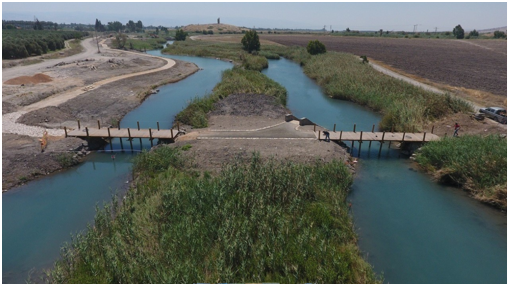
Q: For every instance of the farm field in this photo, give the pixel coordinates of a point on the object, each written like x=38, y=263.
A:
x=472, y=64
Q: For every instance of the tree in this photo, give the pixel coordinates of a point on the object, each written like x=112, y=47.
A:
x=499, y=35
x=180, y=35
x=316, y=47
x=250, y=41
x=473, y=33
x=37, y=25
x=131, y=26
x=115, y=26
x=381, y=32
x=458, y=32
x=348, y=30
x=139, y=26
x=121, y=40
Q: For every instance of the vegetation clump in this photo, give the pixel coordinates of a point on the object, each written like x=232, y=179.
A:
x=250, y=41
x=24, y=43
x=316, y=47
x=476, y=163
x=258, y=222
x=234, y=81
x=458, y=32
x=180, y=35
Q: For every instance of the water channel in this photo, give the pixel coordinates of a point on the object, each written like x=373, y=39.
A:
x=410, y=229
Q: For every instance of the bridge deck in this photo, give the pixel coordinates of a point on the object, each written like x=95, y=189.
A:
x=378, y=136
x=123, y=133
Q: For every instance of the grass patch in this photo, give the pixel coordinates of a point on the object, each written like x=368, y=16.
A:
x=257, y=222
x=234, y=81
x=477, y=163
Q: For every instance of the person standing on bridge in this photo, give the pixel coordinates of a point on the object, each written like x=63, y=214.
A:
x=457, y=128
x=327, y=136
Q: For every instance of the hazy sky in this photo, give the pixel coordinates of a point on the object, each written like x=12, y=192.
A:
x=338, y=15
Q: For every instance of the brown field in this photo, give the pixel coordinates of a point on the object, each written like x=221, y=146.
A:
x=472, y=64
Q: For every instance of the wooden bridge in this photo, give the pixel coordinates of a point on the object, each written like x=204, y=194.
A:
x=380, y=137
x=127, y=133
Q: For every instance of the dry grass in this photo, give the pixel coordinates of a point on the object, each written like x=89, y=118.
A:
x=230, y=39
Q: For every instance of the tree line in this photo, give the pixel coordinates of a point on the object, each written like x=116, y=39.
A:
x=24, y=43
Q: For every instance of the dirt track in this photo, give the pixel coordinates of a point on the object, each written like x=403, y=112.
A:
x=114, y=91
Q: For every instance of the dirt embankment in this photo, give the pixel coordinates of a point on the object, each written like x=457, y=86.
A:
x=254, y=123
x=21, y=155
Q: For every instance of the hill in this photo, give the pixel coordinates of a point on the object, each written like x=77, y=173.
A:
x=216, y=28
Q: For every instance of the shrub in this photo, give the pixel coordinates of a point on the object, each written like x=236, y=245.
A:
x=499, y=35
x=180, y=35
x=458, y=32
x=250, y=41
x=316, y=47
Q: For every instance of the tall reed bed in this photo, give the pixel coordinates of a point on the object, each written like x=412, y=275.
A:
x=256, y=222
x=405, y=106
x=478, y=163
x=234, y=81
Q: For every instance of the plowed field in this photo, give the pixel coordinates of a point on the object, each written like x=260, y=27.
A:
x=473, y=64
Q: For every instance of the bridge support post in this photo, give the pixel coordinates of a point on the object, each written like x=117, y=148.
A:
x=172, y=133
x=79, y=125
x=65, y=129
x=151, y=139
x=118, y=125
x=99, y=124
x=110, y=140
x=158, y=126
x=381, y=144
x=354, y=128
x=424, y=134
x=130, y=139
x=334, y=128
x=121, y=144
x=360, y=144
x=380, y=147
x=340, y=136
x=140, y=144
x=432, y=132
x=87, y=134
x=352, y=146
x=138, y=125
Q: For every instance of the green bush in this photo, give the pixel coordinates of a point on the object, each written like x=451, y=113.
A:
x=499, y=35
x=477, y=163
x=316, y=47
x=250, y=41
x=254, y=62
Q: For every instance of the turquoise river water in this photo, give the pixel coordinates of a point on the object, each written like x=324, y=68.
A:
x=411, y=229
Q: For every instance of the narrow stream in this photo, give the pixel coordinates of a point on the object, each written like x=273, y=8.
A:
x=411, y=229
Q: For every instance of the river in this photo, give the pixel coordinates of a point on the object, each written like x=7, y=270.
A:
x=411, y=229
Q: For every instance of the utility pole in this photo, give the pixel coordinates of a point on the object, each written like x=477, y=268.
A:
x=435, y=32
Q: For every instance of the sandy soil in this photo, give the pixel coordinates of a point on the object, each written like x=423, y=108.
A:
x=257, y=126
x=86, y=86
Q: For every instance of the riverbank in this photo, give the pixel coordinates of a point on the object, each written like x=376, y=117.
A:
x=108, y=103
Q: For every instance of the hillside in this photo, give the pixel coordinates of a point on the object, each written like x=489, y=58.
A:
x=216, y=28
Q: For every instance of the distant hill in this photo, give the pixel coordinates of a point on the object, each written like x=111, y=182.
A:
x=216, y=28
x=488, y=31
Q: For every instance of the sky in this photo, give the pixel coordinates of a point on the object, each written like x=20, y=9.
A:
x=393, y=16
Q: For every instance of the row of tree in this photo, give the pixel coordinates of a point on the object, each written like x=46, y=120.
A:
x=22, y=43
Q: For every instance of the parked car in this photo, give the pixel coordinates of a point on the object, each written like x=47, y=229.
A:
x=495, y=113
